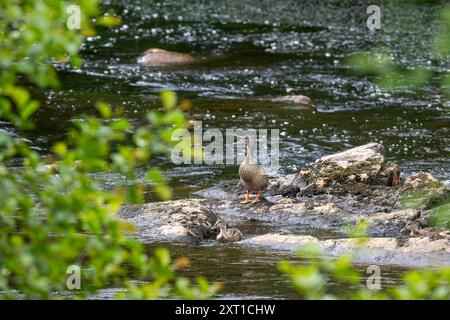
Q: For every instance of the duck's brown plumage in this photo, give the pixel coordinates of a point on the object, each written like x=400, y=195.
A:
x=252, y=175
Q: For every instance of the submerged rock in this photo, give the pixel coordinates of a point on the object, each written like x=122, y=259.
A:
x=155, y=57
x=299, y=99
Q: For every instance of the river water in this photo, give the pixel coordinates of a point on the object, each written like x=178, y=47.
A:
x=251, y=53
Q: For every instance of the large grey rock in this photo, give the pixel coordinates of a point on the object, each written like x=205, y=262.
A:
x=187, y=221
x=368, y=158
x=364, y=164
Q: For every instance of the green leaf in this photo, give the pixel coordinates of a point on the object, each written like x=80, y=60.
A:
x=104, y=109
x=29, y=109
x=169, y=99
x=109, y=21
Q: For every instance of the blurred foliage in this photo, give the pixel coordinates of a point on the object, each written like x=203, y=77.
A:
x=311, y=280
x=441, y=214
x=358, y=231
x=388, y=74
x=53, y=215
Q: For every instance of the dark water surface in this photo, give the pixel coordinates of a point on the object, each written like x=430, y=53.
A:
x=251, y=53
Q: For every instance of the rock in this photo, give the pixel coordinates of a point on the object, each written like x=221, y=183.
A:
x=299, y=99
x=365, y=159
x=159, y=58
x=319, y=214
x=413, y=252
x=364, y=164
x=187, y=221
x=420, y=180
x=231, y=189
x=290, y=185
x=422, y=191
x=355, y=184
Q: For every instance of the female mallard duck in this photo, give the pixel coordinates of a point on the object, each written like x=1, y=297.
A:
x=226, y=235
x=252, y=175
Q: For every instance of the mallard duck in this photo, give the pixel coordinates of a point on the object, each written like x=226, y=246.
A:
x=226, y=235
x=252, y=176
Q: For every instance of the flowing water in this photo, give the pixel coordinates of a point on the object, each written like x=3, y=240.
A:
x=251, y=53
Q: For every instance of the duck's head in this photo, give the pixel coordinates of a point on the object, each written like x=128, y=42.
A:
x=220, y=224
x=249, y=143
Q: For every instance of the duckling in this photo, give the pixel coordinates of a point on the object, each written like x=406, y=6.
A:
x=413, y=228
x=252, y=176
x=226, y=235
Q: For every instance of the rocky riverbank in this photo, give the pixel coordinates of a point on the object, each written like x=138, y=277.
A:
x=318, y=205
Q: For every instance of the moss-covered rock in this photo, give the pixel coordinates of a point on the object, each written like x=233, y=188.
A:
x=364, y=164
x=422, y=191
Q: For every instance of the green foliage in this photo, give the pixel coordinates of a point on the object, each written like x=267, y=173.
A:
x=359, y=230
x=167, y=284
x=441, y=214
x=49, y=221
x=310, y=280
x=34, y=32
x=390, y=75
x=17, y=107
x=53, y=215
